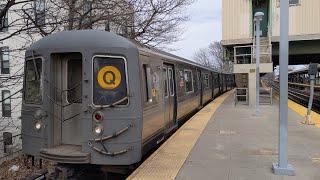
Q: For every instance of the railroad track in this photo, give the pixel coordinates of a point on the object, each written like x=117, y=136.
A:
x=299, y=96
x=41, y=175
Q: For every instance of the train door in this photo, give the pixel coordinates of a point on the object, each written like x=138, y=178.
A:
x=200, y=90
x=67, y=77
x=169, y=94
x=213, y=84
x=219, y=83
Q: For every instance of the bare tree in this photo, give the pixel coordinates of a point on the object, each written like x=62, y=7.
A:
x=213, y=56
x=157, y=21
x=204, y=57
x=153, y=22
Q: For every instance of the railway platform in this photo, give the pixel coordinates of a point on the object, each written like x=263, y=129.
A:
x=227, y=142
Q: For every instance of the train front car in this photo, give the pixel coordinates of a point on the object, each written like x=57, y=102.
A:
x=81, y=99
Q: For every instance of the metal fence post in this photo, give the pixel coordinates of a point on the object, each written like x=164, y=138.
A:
x=282, y=167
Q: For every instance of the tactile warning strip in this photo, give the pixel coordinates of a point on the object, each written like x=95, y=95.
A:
x=167, y=160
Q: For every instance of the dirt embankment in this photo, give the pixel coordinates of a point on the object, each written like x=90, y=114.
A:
x=20, y=167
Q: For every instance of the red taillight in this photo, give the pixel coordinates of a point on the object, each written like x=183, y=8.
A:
x=98, y=116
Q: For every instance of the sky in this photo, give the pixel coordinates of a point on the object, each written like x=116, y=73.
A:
x=203, y=28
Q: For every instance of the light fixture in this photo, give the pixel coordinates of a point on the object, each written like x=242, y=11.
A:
x=38, y=125
x=98, y=129
x=98, y=116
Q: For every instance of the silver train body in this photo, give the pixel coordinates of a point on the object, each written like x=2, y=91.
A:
x=92, y=97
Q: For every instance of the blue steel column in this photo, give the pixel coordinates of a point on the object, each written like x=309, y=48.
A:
x=282, y=167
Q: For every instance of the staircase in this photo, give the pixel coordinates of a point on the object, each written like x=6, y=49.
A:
x=242, y=80
x=265, y=50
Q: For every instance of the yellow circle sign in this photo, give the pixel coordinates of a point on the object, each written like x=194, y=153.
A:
x=109, y=77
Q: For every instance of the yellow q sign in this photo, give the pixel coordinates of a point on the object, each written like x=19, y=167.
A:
x=109, y=77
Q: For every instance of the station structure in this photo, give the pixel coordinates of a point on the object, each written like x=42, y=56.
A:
x=238, y=37
x=225, y=142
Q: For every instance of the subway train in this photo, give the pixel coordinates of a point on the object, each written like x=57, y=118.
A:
x=95, y=98
x=301, y=76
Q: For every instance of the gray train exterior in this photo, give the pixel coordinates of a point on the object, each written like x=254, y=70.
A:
x=74, y=113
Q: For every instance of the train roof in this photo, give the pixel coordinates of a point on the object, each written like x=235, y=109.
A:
x=302, y=70
x=150, y=49
x=81, y=39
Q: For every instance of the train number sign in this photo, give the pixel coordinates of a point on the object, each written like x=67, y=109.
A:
x=109, y=77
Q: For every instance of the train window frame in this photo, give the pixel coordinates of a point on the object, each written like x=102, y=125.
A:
x=206, y=79
x=166, y=83
x=41, y=81
x=67, y=97
x=171, y=82
x=148, y=82
x=185, y=82
x=198, y=80
x=127, y=80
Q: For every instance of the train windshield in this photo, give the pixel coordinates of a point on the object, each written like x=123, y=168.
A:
x=33, y=86
x=109, y=81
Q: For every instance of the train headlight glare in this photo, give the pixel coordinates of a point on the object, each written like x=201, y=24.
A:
x=98, y=129
x=38, y=125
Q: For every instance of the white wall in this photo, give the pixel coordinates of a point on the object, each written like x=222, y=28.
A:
x=13, y=81
x=304, y=19
x=236, y=19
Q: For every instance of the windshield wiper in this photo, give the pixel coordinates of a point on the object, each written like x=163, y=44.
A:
x=118, y=102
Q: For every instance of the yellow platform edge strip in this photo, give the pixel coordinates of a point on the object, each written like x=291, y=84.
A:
x=302, y=111
x=299, y=109
x=167, y=160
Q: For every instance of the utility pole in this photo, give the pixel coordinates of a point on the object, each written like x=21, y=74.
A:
x=282, y=167
x=258, y=18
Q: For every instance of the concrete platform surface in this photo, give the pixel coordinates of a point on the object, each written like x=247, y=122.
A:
x=236, y=145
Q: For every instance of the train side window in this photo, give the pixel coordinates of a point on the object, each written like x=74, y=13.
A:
x=74, y=93
x=165, y=82
x=148, y=82
x=198, y=80
x=188, y=78
x=206, y=80
x=171, y=81
x=33, y=81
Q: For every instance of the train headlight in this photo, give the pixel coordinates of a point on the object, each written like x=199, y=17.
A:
x=38, y=125
x=98, y=129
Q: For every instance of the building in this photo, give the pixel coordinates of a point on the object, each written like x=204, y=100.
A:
x=32, y=17
x=239, y=42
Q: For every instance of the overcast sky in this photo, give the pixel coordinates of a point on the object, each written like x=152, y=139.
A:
x=203, y=28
